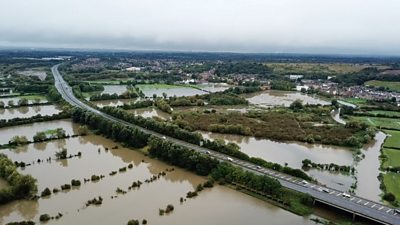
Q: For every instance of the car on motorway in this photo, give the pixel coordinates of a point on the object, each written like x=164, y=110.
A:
x=229, y=159
x=344, y=194
x=303, y=182
x=208, y=152
x=258, y=167
x=163, y=137
x=397, y=211
x=326, y=190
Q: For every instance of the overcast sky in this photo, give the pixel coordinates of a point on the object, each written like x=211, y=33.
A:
x=269, y=26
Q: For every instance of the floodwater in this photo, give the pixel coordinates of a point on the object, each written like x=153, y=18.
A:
x=29, y=111
x=368, y=169
x=293, y=153
x=150, y=112
x=214, y=87
x=111, y=89
x=149, y=90
x=281, y=98
x=228, y=206
x=29, y=130
x=113, y=103
x=16, y=99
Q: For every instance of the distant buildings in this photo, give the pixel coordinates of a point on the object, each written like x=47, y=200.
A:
x=133, y=69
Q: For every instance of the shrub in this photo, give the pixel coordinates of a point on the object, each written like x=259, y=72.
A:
x=46, y=192
x=75, y=182
x=44, y=218
x=133, y=222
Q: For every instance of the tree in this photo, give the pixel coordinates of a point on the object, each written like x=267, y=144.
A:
x=2, y=105
x=39, y=136
x=296, y=105
x=60, y=133
x=17, y=140
x=23, y=102
x=62, y=154
x=335, y=103
x=154, y=96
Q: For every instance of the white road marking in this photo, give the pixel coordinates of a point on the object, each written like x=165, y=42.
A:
x=366, y=203
x=388, y=210
x=373, y=205
x=381, y=208
x=332, y=192
x=338, y=194
x=359, y=201
x=352, y=198
x=313, y=186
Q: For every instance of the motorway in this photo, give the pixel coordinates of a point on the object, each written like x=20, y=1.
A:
x=358, y=206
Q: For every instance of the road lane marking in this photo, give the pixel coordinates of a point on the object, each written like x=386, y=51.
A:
x=366, y=203
x=352, y=198
x=359, y=201
x=332, y=192
x=381, y=208
x=388, y=210
x=338, y=194
x=373, y=205
x=312, y=186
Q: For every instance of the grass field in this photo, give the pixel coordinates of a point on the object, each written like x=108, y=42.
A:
x=393, y=140
x=106, y=81
x=378, y=121
x=326, y=68
x=393, y=157
x=391, y=85
x=392, y=183
x=387, y=113
x=355, y=101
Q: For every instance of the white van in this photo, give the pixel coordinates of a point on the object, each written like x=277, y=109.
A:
x=346, y=195
x=229, y=158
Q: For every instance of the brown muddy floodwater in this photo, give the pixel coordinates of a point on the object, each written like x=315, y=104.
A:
x=281, y=98
x=29, y=130
x=220, y=205
x=26, y=112
x=150, y=112
x=294, y=153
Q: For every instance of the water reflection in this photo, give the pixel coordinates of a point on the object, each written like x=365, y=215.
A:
x=150, y=112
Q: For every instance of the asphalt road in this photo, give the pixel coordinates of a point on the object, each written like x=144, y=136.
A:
x=354, y=204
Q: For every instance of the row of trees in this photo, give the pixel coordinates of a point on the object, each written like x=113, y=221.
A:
x=21, y=186
x=137, y=105
x=34, y=119
x=181, y=156
x=129, y=135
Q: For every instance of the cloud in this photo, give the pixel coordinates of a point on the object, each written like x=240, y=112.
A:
x=310, y=26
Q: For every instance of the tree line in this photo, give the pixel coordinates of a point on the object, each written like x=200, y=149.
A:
x=21, y=186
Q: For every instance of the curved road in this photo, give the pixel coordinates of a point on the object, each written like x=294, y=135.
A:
x=351, y=203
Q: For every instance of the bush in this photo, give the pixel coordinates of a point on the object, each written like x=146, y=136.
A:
x=389, y=197
x=22, y=223
x=169, y=208
x=133, y=222
x=75, y=182
x=46, y=192
x=44, y=217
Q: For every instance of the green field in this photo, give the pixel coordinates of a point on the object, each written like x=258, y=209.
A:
x=107, y=81
x=387, y=113
x=355, y=101
x=393, y=157
x=391, y=85
x=392, y=183
x=378, y=121
x=393, y=139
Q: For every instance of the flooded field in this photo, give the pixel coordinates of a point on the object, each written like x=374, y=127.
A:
x=113, y=103
x=142, y=203
x=170, y=90
x=26, y=112
x=16, y=99
x=294, y=153
x=213, y=87
x=281, y=98
x=150, y=112
x=29, y=130
x=111, y=89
